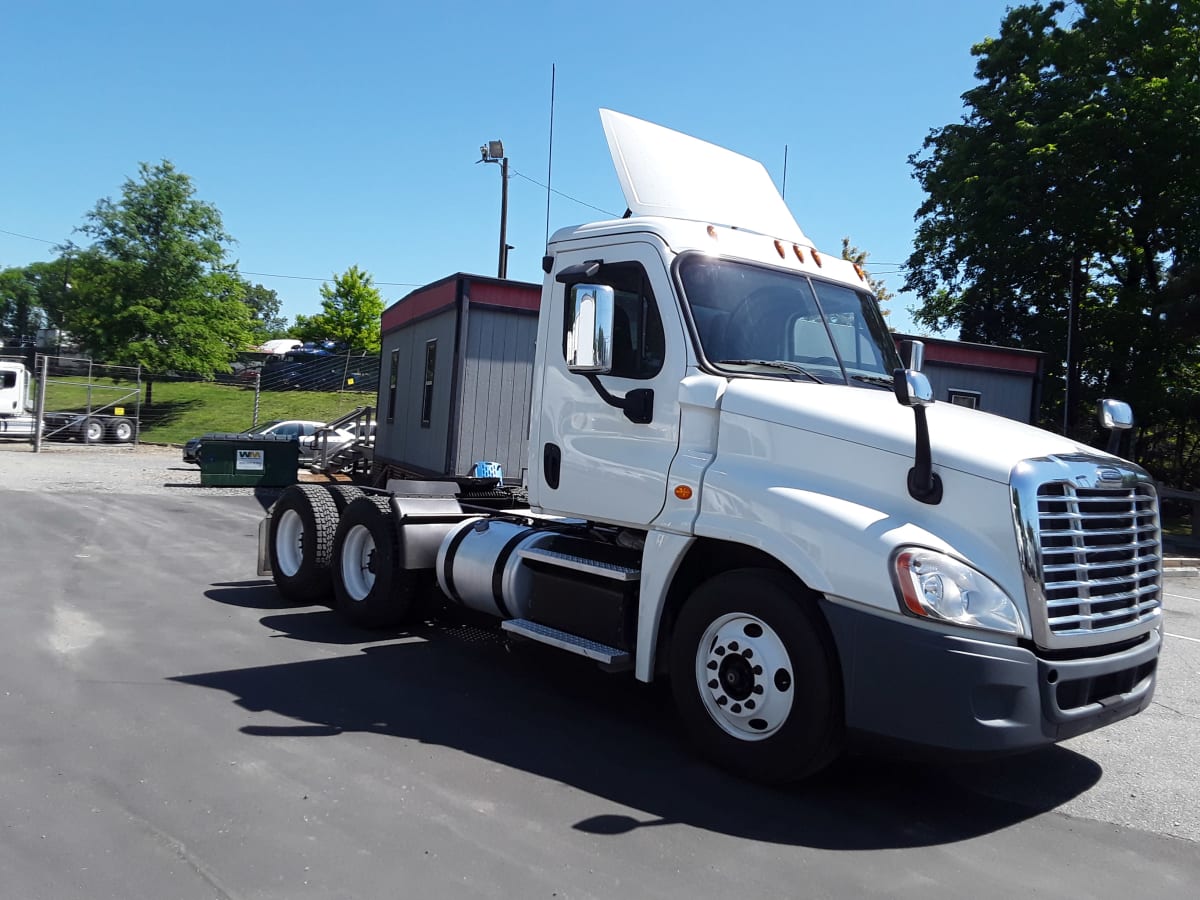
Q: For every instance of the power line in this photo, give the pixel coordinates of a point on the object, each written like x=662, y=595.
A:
x=27, y=237
x=314, y=278
x=561, y=194
x=30, y=237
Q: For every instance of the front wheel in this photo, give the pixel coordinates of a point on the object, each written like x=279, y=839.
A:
x=755, y=678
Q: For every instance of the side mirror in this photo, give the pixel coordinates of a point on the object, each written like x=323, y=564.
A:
x=589, y=328
x=912, y=388
x=912, y=354
x=1115, y=415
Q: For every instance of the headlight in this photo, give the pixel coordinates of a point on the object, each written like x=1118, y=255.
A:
x=935, y=586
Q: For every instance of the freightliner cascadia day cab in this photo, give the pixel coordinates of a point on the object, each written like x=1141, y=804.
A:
x=723, y=490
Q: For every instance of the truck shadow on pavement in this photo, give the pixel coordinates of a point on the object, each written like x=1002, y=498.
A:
x=556, y=717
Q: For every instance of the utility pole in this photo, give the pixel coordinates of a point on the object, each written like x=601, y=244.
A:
x=493, y=152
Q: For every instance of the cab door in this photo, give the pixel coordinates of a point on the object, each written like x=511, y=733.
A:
x=595, y=462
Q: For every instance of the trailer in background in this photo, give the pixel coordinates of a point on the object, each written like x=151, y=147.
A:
x=456, y=373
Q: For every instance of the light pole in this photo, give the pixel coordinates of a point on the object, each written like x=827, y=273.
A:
x=493, y=152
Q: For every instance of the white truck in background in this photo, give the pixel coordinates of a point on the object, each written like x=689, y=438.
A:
x=723, y=490
x=18, y=419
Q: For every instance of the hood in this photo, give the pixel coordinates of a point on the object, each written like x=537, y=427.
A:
x=968, y=440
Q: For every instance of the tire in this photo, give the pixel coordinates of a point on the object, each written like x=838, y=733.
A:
x=343, y=495
x=91, y=431
x=120, y=431
x=303, y=522
x=370, y=587
x=776, y=726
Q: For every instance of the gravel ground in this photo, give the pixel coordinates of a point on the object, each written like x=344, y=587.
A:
x=141, y=469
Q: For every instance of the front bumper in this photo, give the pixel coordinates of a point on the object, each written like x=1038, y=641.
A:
x=952, y=692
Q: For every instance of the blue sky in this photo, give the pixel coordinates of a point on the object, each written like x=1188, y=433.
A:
x=333, y=134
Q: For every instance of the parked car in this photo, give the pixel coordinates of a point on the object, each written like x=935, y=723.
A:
x=303, y=430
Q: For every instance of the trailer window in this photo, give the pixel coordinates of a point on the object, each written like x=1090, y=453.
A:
x=427, y=395
x=393, y=380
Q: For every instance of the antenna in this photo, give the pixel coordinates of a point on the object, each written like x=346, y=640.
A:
x=784, y=191
x=550, y=154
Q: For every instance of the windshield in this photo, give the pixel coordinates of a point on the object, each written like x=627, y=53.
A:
x=752, y=318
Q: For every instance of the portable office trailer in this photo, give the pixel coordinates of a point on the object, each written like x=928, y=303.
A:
x=1003, y=380
x=456, y=375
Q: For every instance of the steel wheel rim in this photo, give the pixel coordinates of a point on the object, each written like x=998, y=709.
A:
x=289, y=542
x=358, y=563
x=744, y=676
x=93, y=432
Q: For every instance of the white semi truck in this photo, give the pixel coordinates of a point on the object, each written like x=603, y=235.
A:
x=723, y=490
x=18, y=419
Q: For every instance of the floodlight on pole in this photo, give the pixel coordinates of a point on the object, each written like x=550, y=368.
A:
x=493, y=152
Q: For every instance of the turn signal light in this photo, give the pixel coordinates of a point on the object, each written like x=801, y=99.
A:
x=683, y=492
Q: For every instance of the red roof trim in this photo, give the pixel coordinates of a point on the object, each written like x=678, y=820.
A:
x=979, y=356
x=422, y=302
x=514, y=295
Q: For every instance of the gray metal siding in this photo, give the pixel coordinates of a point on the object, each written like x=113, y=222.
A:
x=1004, y=393
x=496, y=387
x=403, y=441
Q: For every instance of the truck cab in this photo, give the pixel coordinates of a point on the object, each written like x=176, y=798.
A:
x=735, y=482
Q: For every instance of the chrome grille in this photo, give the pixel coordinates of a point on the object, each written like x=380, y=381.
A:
x=1100, y=556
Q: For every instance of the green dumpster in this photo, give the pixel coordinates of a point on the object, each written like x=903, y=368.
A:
x=243, y=460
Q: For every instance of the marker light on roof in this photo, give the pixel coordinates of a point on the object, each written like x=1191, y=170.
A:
x=712, y=232
x=862, y=276
x=779, y=249
x=799, y=253
x=816, y=257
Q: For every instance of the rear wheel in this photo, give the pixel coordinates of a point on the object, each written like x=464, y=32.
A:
x=343, y=495
x=303, y=522
x=369, y=583
x=755, y=679
x=120, y=431
x=92, y=431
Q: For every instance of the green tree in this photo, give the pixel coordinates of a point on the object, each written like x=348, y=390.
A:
x=1071, y=189
x=21, y=313
x=264, y=306
x=350, y=311
x=160, y=293
x=877, y=286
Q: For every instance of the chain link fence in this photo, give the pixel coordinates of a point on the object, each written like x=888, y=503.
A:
x=83, y=399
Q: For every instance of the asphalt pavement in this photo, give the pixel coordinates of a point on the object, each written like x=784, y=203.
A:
x=172, y=729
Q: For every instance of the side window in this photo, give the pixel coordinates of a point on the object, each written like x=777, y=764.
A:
x=8, y=379
x=393, y=380
x=427, y=393
x=639, y=344
x=290, y=430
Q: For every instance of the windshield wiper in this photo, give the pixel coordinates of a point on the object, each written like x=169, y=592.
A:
x=772, y=364
x=875, y=379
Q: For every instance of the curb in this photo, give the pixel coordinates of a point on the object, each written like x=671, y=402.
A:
x=1172, y=572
